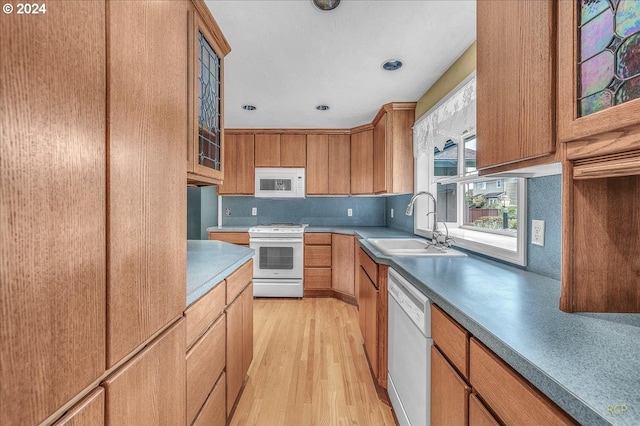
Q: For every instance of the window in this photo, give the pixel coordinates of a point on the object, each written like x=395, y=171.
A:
x=484, y=214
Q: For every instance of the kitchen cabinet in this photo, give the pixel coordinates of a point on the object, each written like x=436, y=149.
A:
x=600, y=130
x=449, y=393
x=317, y=264
x=514, y=400
x=147, y=197
x=52, y=203
x=208, y=47
x=89, y=411
x=293, y=150
x=213, y=412
x=373, y=317
x=362, y=161
x=239, y=344
x=342, y=270
x=328, y=164
x=471, y=385
x=239, y=238
x=267, y=150
x=150, y=388
x=515, y=82
x=239, y=175
x=393, y=148
x=205, y=363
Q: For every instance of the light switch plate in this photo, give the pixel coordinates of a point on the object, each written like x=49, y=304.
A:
x=254, y=211
x=537, y=232
x=349, y=212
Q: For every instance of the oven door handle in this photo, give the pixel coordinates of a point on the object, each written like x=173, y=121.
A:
x=275, y=240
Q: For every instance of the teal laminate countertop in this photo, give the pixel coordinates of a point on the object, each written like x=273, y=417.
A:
x=588, y=364
x=210, y=262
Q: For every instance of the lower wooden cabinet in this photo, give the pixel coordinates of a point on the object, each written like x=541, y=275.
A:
x=449, y=393
x=239, y=238
x=239, y=344
x=317, y=264
x=89, y=411
x=478, y=413
x=205, y=363
x=213, y=412
x=150, y=388
x=342, y=271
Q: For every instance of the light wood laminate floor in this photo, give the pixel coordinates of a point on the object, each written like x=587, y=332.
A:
x=309, y=367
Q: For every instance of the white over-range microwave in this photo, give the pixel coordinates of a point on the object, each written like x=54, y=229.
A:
x=279, y=183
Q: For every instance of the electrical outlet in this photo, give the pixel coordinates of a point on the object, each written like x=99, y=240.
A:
x=537, y=234
x=391, y=213
x=227, y=212
x=254, y=211
x=349, y=212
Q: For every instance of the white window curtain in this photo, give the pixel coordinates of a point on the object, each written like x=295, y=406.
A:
x=452, y=117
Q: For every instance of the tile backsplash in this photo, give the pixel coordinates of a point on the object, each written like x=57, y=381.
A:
x=315, y=211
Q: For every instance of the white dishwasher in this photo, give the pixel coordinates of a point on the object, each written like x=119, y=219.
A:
x=409, y=352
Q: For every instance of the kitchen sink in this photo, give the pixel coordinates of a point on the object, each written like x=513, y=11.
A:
x=411, y=247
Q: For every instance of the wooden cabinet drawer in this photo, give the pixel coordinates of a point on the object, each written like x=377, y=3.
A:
x=478, y=413
x=370, y=267
x=451, y=338
x=317, y=256
x=89, y=411
x=213, y=412
x=449, y=393
x=237, y=281
x=241, y=238
x=510, y=396
x=205, y=362
x=317, y=277
x=317, y=238
x=201, y=314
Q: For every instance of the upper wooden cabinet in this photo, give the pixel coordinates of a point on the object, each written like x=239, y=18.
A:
x=147, y=197
x=328, y=164
x=515, y=81
x=267, y=150
x=362, y=161
x=293, y=150
x=393, y=148
x=53, y=205
x=599, y=106
x=239, y=176
x=208, y=47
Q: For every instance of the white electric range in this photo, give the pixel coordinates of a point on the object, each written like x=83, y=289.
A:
x=278, y=266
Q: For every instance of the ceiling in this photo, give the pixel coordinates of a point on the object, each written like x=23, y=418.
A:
x=287, y=57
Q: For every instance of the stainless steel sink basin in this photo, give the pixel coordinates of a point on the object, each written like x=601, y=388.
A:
x=411, y=247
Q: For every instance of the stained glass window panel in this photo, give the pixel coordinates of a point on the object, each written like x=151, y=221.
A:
x=609, y=63
x=208, y=105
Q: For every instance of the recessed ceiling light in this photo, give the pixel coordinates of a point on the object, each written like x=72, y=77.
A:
x=248, y=107
x=326, y=5
x=392, y=64
x=322, y=107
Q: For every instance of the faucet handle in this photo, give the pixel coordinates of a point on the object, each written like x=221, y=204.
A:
x=448, y=241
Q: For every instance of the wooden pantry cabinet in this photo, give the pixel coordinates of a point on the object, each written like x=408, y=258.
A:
x=239, y=176
x=147, y=197
x=52, y=208
x=393, y=148
x=516, y=83
x=470, y=385
x=205, y=82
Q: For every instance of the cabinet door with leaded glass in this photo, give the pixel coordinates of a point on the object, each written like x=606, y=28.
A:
x=599, y=75
x=207, y=134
